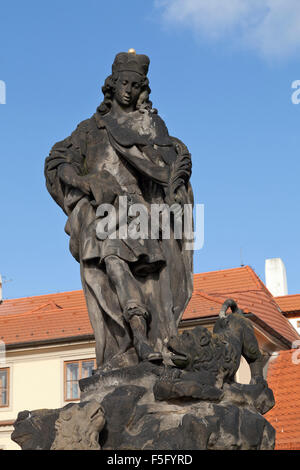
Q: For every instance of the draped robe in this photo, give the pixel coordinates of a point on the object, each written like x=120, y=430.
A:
x=136, y=151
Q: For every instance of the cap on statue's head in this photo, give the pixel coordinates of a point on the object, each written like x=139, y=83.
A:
x=132, y=62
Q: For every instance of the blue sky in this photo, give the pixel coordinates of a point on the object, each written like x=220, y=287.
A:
x=221, y=79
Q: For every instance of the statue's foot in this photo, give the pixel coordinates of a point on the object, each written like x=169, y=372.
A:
x=146, y=353
x=155, y=357
x=138, y=326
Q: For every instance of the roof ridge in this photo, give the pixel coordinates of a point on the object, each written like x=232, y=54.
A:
x=263, y=287
x=221, y=270
x=255, y=277
x=238, y=291
x=279, y=297
x=42, y=295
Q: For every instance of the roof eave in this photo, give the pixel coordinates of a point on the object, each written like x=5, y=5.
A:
x=49, y=341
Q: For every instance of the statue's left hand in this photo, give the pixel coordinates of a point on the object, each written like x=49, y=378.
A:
x=180, y=174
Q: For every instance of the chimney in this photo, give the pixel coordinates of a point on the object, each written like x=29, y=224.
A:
x=0, y=289
x=275, y=274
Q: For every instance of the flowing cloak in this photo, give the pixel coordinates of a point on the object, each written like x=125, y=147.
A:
x=138, y=152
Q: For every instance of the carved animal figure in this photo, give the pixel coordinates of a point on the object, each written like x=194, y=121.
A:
x=219, y=353
x=208, y=360
x=34, y=430
x=78, y=427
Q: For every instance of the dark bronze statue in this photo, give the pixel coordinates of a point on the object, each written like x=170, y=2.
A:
x=136, y=289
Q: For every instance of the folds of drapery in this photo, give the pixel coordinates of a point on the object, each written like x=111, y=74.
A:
x=167, y=291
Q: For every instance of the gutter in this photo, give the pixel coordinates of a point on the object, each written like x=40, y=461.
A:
x=45, y=342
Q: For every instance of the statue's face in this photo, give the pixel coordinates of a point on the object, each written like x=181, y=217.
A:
x=128, y=89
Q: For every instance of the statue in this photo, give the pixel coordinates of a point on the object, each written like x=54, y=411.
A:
x=136, y=289
x=153, y=388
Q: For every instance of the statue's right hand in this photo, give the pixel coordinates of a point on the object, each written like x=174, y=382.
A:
x=70, y=177
x=83, y=184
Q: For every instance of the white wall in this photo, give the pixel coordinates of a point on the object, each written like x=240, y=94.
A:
x=294, y=322
x=275, y=274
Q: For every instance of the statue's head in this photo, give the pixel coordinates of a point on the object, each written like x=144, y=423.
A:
x=128, y=84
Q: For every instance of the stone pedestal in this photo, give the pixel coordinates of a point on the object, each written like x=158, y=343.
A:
x=136, y=420
x=128, y=409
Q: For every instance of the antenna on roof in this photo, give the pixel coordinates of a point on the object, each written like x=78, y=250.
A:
x=3, y=280
x=241, y=255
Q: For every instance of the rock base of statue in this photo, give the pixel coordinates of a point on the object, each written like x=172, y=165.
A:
x=128, y=409
x=140, y=417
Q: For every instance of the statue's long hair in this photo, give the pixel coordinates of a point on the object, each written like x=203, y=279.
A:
x=108, y=90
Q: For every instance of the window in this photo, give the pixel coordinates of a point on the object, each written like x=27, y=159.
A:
x=74, y=371
x=4, y=387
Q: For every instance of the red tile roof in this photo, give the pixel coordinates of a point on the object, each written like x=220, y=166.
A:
x=289, y=303
x=284, y=380
x=64, y=315
x=45, y=317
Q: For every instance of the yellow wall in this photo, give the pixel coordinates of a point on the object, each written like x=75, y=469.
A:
x=37, y=381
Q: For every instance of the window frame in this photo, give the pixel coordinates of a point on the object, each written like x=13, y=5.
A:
x=79, y=362
x=7, y=369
